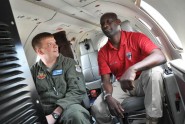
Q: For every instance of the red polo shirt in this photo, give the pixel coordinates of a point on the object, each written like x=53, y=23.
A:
x=134, y=47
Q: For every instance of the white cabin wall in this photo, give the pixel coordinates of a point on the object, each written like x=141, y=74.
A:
x=28, y=17
x=75, y=47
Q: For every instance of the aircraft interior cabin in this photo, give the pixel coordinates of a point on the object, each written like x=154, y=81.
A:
x=76, y=27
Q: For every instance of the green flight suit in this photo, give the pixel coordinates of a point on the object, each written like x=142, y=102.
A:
x=61, y=86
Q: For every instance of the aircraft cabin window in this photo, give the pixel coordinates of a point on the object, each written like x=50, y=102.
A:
x=175, y=41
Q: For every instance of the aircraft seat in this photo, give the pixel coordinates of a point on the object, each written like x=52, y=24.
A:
x=89, y=65
x=126, y=26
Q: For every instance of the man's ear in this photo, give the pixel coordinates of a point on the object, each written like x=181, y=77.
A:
x=39, y=51
x=118, y=21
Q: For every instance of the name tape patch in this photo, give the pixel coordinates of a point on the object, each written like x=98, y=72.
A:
x=57, y=72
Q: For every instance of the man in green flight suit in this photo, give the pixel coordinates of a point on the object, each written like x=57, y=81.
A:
x=58, y=83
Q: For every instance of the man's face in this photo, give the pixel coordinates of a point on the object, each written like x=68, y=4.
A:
x=49, y=48
x=109, y=25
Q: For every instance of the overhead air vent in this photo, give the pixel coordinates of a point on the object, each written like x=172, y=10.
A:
x=18, y=97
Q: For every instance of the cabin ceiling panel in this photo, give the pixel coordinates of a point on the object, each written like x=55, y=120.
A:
x=106, y=6
x=69, y=9
x=81, y=14
x=79, y=3
x=89, y=11
x=29, y=9
x=51, y=4
x=27, y=18
x=129, y=3
x=69, y=24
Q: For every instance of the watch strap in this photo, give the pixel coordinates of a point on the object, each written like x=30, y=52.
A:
x=55, y=115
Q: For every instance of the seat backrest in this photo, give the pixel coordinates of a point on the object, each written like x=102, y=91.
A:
x=89, y=64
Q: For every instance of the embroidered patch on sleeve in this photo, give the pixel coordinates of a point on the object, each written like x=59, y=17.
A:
x=41, y=75
x=78, y=68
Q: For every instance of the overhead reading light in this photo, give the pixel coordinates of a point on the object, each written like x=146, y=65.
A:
x=143, y=22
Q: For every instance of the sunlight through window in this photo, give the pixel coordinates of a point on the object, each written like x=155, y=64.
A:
x=163, y=23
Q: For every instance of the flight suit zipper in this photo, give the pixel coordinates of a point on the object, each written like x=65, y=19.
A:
x=52, y=83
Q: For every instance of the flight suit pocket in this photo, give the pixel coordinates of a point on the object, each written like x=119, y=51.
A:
x=42, y=85
x=80, y=84
x=60, y=84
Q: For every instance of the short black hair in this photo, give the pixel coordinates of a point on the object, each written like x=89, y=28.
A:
x=36, y=40
x=110, y=14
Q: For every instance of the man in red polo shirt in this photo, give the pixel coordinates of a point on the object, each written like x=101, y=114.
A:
x=131, y=57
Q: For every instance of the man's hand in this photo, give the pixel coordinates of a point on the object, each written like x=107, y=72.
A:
x=127, y=85
x=50, y=119
x=127, y=79
x=114, y=107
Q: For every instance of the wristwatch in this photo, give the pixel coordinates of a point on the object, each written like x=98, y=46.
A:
x=55, y=115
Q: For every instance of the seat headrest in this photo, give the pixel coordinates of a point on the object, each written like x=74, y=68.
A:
x=86, y=47
x=126, y=26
